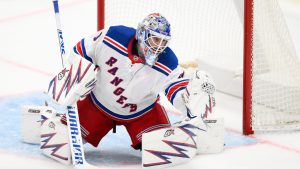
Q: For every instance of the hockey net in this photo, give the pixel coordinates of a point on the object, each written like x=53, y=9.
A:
x=212, y=31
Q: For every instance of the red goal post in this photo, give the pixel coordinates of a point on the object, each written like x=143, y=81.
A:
x=245, y=45
x=247, y=85
x=100, y=14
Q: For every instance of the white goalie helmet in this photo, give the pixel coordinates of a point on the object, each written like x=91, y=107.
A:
x=153, y=35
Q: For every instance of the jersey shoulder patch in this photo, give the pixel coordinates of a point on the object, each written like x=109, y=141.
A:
x=167, y=62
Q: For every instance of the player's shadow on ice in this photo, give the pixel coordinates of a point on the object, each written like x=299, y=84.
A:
x=113, y=158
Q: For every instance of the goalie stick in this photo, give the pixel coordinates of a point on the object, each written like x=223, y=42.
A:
x=75, y=137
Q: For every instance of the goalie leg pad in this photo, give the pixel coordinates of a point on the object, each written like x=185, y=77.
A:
x=169, y=146
x=211, y=141
x=30, y=123
x=54, y=137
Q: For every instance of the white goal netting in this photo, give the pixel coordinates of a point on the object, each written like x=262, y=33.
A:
x=276, y=70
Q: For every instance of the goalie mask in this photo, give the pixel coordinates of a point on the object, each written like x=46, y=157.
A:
x=153, y=35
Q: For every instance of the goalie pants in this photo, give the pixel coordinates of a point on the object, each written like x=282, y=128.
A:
x=95, y=123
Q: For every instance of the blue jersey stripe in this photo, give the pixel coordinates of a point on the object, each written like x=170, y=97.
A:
x=160, y=70
x=118, y=115
x=168, y=59
x=175, y=92
x=75, y=50
x=114, y=48
x=173, y=84
x=84, y=52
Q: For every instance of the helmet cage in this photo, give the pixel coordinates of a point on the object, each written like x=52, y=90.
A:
x=153, y=36
x=156, y=42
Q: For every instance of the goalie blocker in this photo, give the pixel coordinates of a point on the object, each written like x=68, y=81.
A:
x=73, y=83
x=41, y=124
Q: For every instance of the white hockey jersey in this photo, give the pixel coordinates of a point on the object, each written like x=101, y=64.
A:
x=126, y=88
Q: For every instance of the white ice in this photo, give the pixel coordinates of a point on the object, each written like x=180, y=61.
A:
x=29, y=57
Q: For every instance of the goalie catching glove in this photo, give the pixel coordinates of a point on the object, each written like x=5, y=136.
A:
x=73, y=83
x=199, y=91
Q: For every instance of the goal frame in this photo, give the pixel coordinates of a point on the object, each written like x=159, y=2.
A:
x=100, y=14
x=247, y=67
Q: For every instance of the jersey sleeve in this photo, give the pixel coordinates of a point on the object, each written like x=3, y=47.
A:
x=86, y=47
x=175, y=87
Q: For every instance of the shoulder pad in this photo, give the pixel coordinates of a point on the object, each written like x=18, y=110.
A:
x=167, y=62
